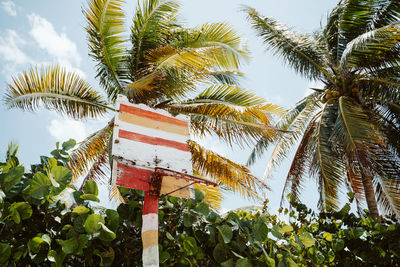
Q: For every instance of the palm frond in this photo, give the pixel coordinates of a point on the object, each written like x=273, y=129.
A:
x=295, y=122
x=388, y=13
x=331, y=32
x=234, y=96
x=388, y=195
x=283, y=123
x=235, y=177
x=100, y=170
x=298, y=50
x=227, y=48
x=115, y=194
x=354, y=179
x=354, y=128
x=294, y=179
x=372, y=46
x=330, y=166
x=89, y=150
x=356, y=16
x=383, y=90
x=152, y=22
x=57, y=89
x=233, y=114
x=212, y=195
x=105, y=19
x=224, y=77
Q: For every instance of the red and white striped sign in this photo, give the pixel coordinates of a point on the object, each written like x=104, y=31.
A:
x=145, y=138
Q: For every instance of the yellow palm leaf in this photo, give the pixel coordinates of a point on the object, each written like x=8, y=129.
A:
x=57, y=89
x=212, y=195
x=89, y=150
x=234, y=176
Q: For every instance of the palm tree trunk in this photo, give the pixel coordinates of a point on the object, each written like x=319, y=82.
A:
x=369, y=193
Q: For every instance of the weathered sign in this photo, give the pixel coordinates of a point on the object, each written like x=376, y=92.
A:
x=146, y=138
x=150, y=153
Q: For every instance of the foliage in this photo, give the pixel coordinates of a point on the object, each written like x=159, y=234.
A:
x=348, y=129
x=36, y=230
x=163, y=65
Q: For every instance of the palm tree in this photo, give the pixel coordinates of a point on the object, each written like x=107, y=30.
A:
x=162, y=66
x=348, y=130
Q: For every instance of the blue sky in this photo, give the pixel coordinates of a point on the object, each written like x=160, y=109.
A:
x=42, y=32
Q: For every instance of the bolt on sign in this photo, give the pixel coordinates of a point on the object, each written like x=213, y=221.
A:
x=150, y=153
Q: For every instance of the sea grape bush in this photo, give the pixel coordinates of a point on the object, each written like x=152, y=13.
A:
x=37, y=230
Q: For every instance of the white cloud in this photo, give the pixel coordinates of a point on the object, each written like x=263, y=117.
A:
x=10, y=48
x=9, y=7
x=56, y=44
x=63, y=129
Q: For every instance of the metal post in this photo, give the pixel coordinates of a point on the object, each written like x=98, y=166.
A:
x=150, y=230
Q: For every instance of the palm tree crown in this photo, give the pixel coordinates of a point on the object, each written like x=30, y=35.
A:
x=161, y=65
x=347, y=130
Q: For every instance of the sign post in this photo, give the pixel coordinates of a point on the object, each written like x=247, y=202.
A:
x=150, y=153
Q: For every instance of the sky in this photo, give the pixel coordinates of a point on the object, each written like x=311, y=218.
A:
x=43, y=32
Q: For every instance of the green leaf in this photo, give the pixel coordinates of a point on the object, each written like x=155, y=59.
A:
x=81, y=210
x=5, y=252
x=74, y=244
x=62, y=177
x=243, y=263
x=46, y=238
x=164, y=257
x=307, y=239
x=91, y=188
x=202, y=208
x=40, y=185
x=34, y=244
x=92, y=223
x=276, y=231
x=169, y=236
x=68, y=246
x=357, y=232
x=228, y=263
x=213, y=217
x=328, y=236
x=52, y=162
x=52, y=256
x=338, y=244
x=106, y=234
x=68, y=144
x=188, y=219
x=269, y=261
x=90, y=197
x=286, y=228
x=219, y=253
x=190, y=245
x=77, y=197
x=57, y=259
x=260, y=231
x=320, y=257
x=226, y=233
x=112, y=219
x=20, y=211
x=12, y=177
x=199, y=196
x=79, y=223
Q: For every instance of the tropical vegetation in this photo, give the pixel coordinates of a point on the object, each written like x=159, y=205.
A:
x=163, y=65
x=38, y=230
x=348, y=129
